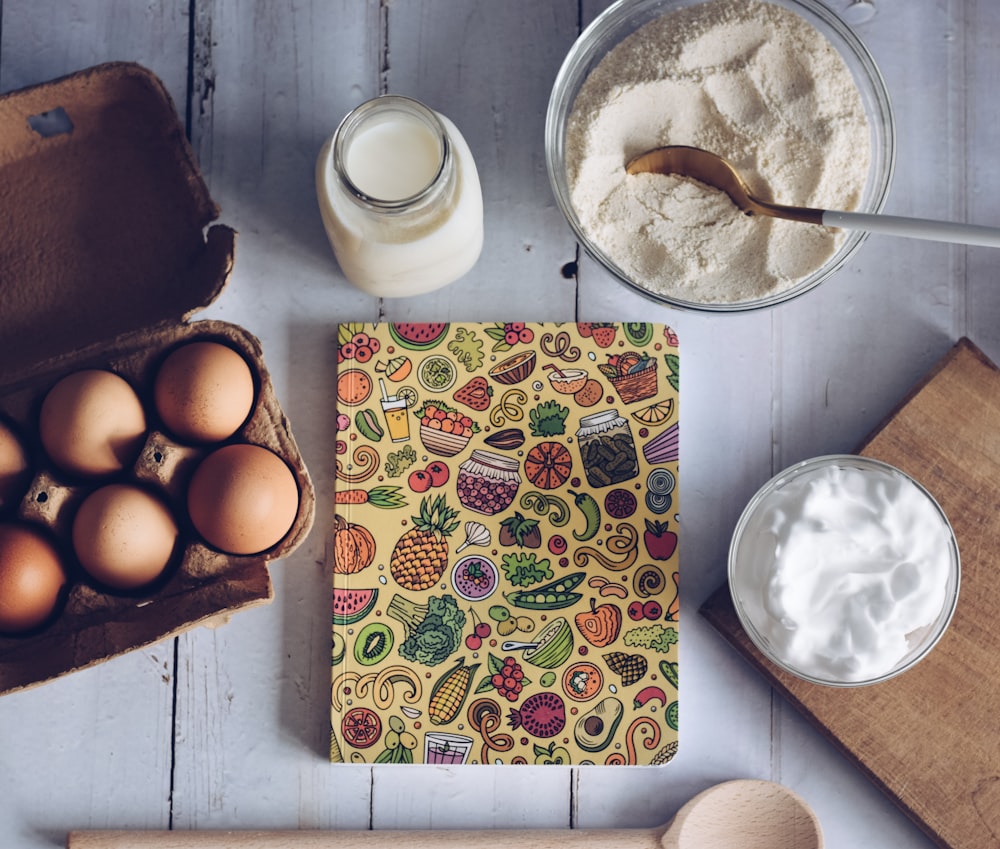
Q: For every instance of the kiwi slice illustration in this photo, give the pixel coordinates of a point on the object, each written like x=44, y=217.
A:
x=638, y=332
x=339, y=648
x=373, y=643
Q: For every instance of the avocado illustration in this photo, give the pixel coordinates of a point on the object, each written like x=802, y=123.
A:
x=594, y=730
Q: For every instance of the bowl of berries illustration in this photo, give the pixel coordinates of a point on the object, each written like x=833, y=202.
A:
x=474, y=578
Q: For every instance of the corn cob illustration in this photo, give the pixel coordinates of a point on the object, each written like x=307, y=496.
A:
x=449, y=693
x=631, y=667
x=421, y=554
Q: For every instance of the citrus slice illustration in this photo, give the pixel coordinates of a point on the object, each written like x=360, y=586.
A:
x=408, y=394
x=437, y=374
x=655, y=414
x=361, y=727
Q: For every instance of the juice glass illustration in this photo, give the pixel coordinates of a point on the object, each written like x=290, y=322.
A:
x=394, y=410
x=442, y=748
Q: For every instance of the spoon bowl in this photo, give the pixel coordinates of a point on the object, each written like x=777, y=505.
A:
x=715, y=171
x=745, y=813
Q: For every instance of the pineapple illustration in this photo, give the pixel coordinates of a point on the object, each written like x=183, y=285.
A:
x=421, y=554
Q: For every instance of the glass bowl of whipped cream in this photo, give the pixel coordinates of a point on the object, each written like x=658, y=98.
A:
x=784, y=89
x=844, y=570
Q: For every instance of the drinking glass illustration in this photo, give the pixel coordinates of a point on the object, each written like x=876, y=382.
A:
x=441, y=748
x=394, y=410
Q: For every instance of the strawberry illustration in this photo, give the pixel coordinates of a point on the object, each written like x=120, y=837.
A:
x=475, y=394
x=584, y=328
x=603, y=334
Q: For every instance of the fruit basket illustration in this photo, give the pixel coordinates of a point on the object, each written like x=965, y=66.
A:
x=632, y=374
x=504, y=550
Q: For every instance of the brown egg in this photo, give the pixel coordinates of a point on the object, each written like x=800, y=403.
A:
x=123, y=536
x=92, y=423
x=243, y=499
x=15, y=470
x=203, y=392
x=31, y=578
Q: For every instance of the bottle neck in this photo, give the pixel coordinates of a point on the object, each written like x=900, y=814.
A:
x=392, y=155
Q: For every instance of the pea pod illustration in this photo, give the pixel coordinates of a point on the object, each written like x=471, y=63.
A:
x=591, y=513
x=551, y=596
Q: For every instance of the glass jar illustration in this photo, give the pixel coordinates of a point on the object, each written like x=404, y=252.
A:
x=607, y=448
x=487, y=482
x=400, y=198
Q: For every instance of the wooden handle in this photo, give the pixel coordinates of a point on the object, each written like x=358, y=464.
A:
x=439, y=839
x=749, y=813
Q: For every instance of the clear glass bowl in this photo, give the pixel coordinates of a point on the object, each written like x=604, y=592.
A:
x=744, y=582
x=625, y=17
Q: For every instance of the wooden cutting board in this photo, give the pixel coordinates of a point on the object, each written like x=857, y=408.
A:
x=930, y=738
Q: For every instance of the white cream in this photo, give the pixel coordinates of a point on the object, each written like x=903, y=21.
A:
x=841, y=569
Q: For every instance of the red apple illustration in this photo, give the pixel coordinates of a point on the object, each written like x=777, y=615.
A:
x=660, y=541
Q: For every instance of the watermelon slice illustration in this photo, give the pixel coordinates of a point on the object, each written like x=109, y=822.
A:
x=350, y=606
x=417, y=336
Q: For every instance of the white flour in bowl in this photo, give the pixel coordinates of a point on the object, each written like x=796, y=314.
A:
x=751, y=81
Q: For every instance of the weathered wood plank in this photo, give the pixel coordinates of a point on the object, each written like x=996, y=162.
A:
x=94, y=747
x=89, y=749
x=270, y=82
x=49, y=38
x=979, y=47
x=496, y=91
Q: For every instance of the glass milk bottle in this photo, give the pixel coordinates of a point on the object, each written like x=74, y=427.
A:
x=400, y=198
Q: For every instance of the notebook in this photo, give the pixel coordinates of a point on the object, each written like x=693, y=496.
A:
x=505, y=546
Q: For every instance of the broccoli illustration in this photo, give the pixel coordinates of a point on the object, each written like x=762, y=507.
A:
x=433, y=630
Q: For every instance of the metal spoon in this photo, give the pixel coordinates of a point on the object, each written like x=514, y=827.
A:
x=513, y=645
x=712, y=170
x=748, y=814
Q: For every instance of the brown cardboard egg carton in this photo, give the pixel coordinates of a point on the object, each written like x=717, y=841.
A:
x=107, y=249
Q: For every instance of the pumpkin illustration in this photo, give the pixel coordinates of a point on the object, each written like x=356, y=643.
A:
x=600, y=625
x=548, y=465
x=353, y=547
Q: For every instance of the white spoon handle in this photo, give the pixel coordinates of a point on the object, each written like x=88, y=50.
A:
x=915, y=228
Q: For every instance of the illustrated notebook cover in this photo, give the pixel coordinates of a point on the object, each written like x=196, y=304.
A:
x=505, y=544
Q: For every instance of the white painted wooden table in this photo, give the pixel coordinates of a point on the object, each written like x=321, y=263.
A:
x=229, y=727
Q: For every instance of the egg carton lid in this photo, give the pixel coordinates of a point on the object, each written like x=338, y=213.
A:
x=105, y=211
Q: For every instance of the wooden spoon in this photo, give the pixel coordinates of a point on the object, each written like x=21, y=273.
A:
x=743, y=814
x=712, y=170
